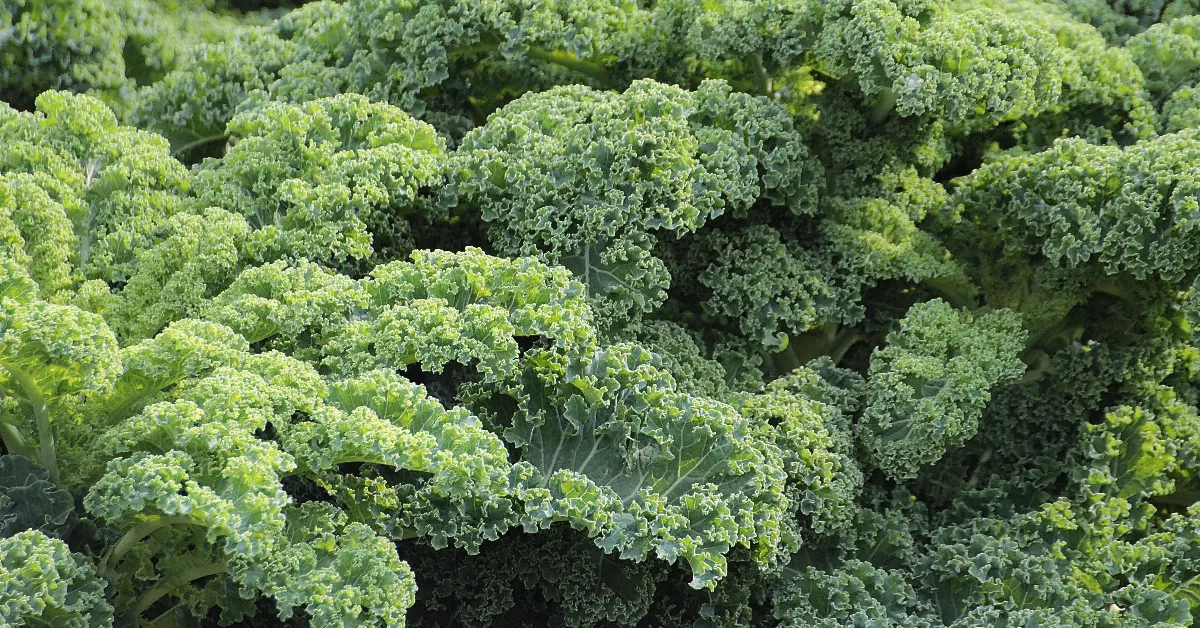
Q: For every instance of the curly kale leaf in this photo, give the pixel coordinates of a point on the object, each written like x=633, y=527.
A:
x=809, y=419
x=53, y=358
x=44, y=585
x=197, y=489
x=441, y=307
x=646, y=469
x=591, y=180
x=854, y=593
x=322, y=181
x=192, y=105
x=927, y=388
x=467, y=489
x=84, y=194
x=343, y=574
x=1168, y=55
x=59, y=44
x=1120, y=210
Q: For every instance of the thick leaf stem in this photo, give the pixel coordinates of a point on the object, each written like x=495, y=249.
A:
x=14, y=442
x=41, y=418
x=570, y=62
x=147, y=599
x=139, y=532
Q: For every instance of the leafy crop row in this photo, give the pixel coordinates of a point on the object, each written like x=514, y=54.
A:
x=595, y=313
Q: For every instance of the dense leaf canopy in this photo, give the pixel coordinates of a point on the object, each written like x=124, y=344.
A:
x=588, y=313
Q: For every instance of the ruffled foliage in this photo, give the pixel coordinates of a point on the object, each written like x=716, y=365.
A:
x=455, y=313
